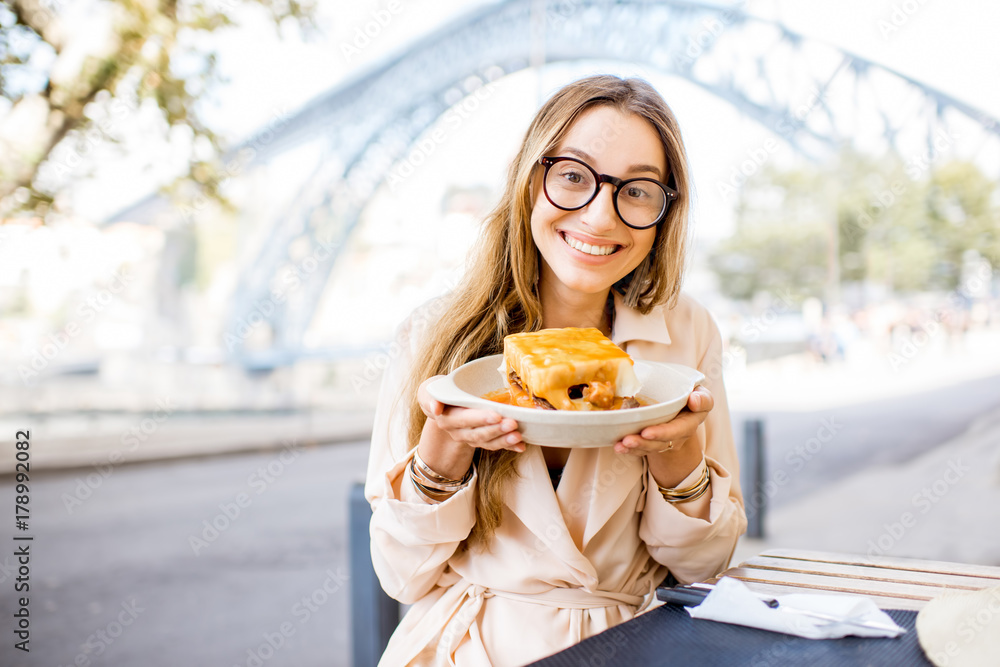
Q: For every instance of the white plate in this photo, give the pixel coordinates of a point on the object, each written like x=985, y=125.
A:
x=667, y=385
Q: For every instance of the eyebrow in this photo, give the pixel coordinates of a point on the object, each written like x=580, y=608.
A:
x=583, y=155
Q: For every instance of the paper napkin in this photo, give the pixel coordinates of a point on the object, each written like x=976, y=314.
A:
x=732, y=602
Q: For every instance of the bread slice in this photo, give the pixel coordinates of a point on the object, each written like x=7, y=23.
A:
x=569, y=369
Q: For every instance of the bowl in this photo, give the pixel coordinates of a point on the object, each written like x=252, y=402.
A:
x=665, y=386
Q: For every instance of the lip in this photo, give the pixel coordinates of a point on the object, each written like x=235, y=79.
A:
x=591, y=240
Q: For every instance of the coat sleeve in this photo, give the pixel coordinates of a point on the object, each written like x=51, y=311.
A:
x=411, y=538
x=692, y=547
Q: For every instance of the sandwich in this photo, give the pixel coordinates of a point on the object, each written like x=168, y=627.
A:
x=568, y=369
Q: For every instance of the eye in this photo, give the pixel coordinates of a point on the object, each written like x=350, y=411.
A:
x=571, y=177
x=638, y=190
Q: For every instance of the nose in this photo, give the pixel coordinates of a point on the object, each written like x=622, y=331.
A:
x=600, y=214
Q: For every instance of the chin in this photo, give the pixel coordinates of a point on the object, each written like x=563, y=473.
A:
x=586, y=284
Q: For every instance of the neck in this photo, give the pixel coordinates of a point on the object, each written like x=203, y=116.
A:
x=565, y=308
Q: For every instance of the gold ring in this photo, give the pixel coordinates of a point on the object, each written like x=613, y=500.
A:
x=670, y=445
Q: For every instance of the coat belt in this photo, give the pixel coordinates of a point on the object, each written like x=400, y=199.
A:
x=568, y=598
x=462, y=605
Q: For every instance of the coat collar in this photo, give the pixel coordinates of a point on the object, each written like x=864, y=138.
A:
x=632, y=325
x=595, y=484
x=596, y=481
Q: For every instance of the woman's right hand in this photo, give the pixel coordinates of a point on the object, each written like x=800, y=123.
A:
x=485, y=429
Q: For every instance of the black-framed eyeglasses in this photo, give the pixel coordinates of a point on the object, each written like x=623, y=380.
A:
x=570, y=184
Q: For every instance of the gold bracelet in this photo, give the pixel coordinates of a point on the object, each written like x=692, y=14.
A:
x=432, y=486
x=431, y=495
x=434, y=477
x=689, y=490
x=693, y=492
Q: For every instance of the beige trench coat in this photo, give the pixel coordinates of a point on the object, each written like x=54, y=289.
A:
x=565, y=564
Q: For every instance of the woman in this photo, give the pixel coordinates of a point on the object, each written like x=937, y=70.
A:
x=510, y=552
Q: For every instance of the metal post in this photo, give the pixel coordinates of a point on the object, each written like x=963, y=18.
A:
x=374, y=614
x=752, y=477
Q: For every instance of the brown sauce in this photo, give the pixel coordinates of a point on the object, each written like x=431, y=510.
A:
x=523, y=400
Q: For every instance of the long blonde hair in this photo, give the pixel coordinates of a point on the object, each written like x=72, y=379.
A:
x=499, y=293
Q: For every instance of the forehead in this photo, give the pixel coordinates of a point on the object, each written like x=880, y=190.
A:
x=615, y=141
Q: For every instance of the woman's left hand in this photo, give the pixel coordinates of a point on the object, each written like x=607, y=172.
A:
x=674, y=434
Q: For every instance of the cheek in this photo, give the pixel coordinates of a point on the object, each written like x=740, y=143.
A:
x=644, y=240
x=541, y=218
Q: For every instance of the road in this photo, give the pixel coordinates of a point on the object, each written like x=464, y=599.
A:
x=126, y=555
x=879, y=433
x=133, y=573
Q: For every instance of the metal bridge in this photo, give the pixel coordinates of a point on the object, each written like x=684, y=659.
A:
x=812, y=95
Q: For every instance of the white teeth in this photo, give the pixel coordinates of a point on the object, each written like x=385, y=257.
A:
x=587, y=248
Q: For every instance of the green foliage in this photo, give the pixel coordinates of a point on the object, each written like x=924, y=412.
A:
x=158, y=51
x=895, y=226
x=773, y=258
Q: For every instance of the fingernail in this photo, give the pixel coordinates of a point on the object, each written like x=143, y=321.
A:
x=509, y=426
x=513, y=438
x=494, y=419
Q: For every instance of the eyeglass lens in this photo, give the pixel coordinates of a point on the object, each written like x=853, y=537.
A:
x=571, y=185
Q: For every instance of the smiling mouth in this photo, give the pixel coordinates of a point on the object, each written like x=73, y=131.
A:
x=596, y=250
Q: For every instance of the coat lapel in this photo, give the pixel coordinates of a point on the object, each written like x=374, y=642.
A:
x=600, y=486
x=534, y=502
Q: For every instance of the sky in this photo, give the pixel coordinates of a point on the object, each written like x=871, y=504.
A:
x=950, y=46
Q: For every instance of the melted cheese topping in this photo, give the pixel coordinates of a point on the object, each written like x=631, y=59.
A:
x=550, y=361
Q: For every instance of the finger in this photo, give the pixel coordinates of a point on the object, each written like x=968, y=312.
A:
x=701, y=400
x=681, y=427
x=453, y=418
x=638, y=446
x=428, y=404
x=432, y=408
x=482, y=434
x=490, y=438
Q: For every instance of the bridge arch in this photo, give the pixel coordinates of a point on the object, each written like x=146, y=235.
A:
x=370, y=123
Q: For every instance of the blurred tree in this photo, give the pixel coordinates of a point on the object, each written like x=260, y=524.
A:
x=902, y=229
x=962, y=214
x=64, y=82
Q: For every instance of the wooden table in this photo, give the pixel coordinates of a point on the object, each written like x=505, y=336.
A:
x=893, y=583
